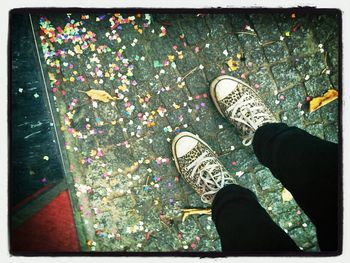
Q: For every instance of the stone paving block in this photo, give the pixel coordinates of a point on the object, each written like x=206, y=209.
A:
x=265, y=26
x=298, y=232
x=248, y=41
x=332, y=47
x=285, y=75
x=218, y=25
x=329, y=26
x=270, y=199
x=229, y=140
x=242, y=161
x=173, y=96
x=213, y=55
x=284, y=21
x=255, y=58
x=273, y=103
x=267, y=181
x=329, y=113
x=262, y=81
x=247, y=180
x=292, y=97
x=331, y=133
x=197, y=83
x=316, y=130
x=311, y=118
x=239, y=21
x=293, y=117
x=221, y=122
x=211, y=71
x=189, y=62
x=194, y=32
x=232, y=44
x=318, y=85
x=311, y=65
x=302, y=41
x=276, y=52
x=334, y=78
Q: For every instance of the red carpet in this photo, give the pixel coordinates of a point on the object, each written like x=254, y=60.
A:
x=52, y=229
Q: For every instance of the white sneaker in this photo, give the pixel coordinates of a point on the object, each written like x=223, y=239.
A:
x=241, y=105
x=199, y=166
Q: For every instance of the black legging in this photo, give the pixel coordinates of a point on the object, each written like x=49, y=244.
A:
x=308, y=167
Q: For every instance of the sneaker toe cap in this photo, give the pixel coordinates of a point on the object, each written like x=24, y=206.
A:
x=184, y=145
x=224, y=87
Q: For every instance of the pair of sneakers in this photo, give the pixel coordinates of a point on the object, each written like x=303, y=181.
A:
x=195, y=160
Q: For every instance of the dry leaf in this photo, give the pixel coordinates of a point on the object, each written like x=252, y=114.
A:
x=99, y=95
x=233, y=65
x=195, y=211
x=319, y=102
x=286, y=195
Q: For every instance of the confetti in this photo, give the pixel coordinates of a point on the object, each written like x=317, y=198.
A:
x=239, y=173
x=163, y=31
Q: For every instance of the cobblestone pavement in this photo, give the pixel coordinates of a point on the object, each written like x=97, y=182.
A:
x=159, y=66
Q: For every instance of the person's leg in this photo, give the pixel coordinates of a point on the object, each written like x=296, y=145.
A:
x=245, y=226
x=308, y=167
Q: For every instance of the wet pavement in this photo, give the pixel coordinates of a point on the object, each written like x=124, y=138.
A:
x=157, y=69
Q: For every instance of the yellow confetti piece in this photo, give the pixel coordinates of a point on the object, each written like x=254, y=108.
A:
x=286, y=195
x=171, y=58
x=176, y=106
x=180, y=55
x=71, y=79
x=287, y=34
x=78, y=50
x=323, y=100
x=52, y=76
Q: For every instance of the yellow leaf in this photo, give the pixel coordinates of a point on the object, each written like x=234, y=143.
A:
x=233, y=65
x=319, y=102
x=195, y=211
x=100, y=95
x=286, y=195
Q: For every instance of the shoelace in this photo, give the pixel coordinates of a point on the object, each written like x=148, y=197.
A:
x=213, y=182
x=257, y=116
